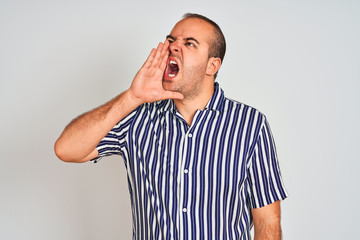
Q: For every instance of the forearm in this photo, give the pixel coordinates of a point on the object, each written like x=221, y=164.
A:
x=83, y=134
x=78, y=141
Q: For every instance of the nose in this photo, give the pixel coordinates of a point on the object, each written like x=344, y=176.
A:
x=174, y=46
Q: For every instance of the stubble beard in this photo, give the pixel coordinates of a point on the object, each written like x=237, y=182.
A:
x=191, y=82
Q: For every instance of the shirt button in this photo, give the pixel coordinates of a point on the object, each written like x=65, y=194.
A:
x=190, y=135
x=186, y=171
x=184, y=210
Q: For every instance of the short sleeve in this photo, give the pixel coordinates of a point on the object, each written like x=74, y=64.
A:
x=115, y=140
x=265, y=182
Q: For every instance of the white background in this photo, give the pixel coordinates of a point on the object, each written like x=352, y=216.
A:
x=296, y=61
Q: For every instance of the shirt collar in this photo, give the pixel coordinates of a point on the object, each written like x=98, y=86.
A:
x=216, y=102
x=217, y=99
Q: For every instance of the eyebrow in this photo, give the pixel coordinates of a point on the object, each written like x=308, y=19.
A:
x=186, y=39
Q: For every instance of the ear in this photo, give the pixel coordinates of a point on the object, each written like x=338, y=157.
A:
x=213, y=66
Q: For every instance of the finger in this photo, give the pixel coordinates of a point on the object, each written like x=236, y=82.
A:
x=164, y=55
x=172, y=95
x=150, y=58
x=166, y=45
x=157, y=58
x=165, y=50
x=164, y=59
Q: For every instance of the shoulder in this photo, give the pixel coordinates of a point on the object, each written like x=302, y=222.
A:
x=150, y=110
x=162, y=105
x=241, y=109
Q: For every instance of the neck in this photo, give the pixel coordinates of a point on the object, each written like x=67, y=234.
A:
x=188, y=106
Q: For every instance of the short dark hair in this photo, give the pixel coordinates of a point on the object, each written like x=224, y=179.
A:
x=218, y=45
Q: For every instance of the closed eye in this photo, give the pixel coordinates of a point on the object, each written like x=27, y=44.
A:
x=191, y=42
x=170, y=38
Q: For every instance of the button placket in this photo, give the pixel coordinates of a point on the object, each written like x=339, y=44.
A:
x=185, y=170
x=185, y=201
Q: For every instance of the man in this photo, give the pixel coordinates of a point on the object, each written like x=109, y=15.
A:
x=200, y=166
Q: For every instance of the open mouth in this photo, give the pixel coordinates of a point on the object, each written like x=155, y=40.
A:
x=172, y=69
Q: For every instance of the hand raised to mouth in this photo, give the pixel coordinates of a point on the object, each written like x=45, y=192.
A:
x=147, y=84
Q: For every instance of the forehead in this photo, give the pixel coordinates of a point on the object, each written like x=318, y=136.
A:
x=193, y=27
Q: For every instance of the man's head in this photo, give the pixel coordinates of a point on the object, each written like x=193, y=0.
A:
x=197, y=48
x=217, y=46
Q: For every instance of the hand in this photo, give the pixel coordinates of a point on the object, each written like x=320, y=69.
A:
x=147, y=84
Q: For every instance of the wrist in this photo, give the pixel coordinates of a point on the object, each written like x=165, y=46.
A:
x=132, y=100
x=122, y=105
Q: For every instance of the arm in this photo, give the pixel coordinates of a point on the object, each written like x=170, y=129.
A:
x=79, y=139
x=267, y=222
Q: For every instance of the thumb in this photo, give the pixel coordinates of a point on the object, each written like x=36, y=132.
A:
x=172, y=95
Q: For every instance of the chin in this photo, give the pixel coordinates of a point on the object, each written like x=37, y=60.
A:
x=171, y=85
x=168, y=84
x=170, y=81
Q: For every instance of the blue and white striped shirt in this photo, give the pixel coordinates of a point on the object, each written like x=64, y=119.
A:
x=198, y=181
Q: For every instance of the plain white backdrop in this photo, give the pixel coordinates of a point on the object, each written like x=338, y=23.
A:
x=296, y=61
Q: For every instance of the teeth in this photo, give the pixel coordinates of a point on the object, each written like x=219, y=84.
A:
x=172, y=62
x=171, y=75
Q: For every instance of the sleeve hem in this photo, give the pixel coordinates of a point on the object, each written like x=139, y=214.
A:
x=282, y=198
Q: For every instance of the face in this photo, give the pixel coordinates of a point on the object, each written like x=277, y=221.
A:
x=189, y=55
